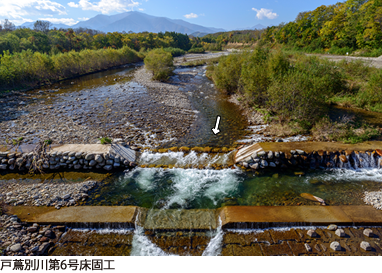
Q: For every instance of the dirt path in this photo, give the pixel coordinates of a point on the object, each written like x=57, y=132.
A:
x=376, y=62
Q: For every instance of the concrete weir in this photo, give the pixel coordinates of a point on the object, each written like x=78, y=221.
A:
x=203, y=219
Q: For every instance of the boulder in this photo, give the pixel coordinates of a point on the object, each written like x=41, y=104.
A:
x=98, y=158
x=89, y=157
x=368, y=232
x=335, y=246
x=312, y=233
x=340, y=232
x=365, y=246
x=108, y=167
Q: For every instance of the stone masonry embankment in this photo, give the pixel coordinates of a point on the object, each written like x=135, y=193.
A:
x=77, y=157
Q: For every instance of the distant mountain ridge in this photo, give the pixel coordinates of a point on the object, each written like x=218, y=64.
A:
x=136, y=22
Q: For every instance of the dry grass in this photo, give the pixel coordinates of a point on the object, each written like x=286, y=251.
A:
x=285, y=129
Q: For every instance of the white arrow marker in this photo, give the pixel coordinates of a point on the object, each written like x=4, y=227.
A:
x=216, y=129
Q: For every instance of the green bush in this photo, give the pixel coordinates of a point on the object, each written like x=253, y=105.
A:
x=298, y=96
x=175, y=52
x=160, y=63
x=196, y=50
x=105, y=140
x=254, y=76
x=226, y=74
x=371, y=95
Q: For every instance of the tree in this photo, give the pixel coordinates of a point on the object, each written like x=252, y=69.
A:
x=8, y=25
x=42, y=26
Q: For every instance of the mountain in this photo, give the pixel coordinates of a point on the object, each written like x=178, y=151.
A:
x=138, y=22
x=258, y=26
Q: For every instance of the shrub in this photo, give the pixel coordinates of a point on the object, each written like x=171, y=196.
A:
x=226, y=74
x=105, y=140
x=371, y=95
x=254, y=76
x=160, y=63
x=175, y=52
x=297, y=96
x=196, y=50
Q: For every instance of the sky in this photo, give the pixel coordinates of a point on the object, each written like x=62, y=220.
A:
x=212, y=13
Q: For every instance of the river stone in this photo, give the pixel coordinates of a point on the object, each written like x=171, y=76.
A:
x=343, y=159
x=11, y=155
x=245, y=164
x=340, y=232
x=98, y=158
x=11, y=161
x=379, y=152
x=32, y=229
x=277, y=154
x=261, y=153
x=71, y=158
x=365, y=246
x=254, y=155
x=44, y=247
x=368, y=232
x=3, y=167
x=15, y=248
x=89, y=157
x=92, y=163
x=66, y=196
x=254, y=166
x=264, y=163
x=108, y=167
x=77, y=167
x=272, y=164
x=335, y=246
x=312, y=233
x=300, y=152
x=78, y=155
x=117, y=159
x=116, y=165
x=308, y=248
x=109, y=162
x=332, y=227
x=270, y=155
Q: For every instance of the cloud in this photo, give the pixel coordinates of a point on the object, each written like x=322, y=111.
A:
x=66, y=21
x=106, y=6
x=83, y=18
x=191, y=15
x=17, y=10
x=265, y=13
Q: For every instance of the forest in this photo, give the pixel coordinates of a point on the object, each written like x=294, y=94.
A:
x=354, y=26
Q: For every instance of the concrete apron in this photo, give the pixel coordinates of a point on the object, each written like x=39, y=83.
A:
x=200, y=219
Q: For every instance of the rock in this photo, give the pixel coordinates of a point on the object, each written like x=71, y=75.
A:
x=300, y=152
x=109, y=162
x=264, y=163
x=312, y=233
x=332, y=227
x=98, y=158
x=368, y=232
x=77, y=167
x=254, y=166
x=48, y=233
x=365, y=246
x=78, y=155
x=66, y=196
x=3, y=166
x=92, y=163
x=343, y=159
x=340, y=232
x=44, y=239
x=245, y=164
x=43, y=247
x=32, y=229
x=34, y=249
x=312, y=198
x=108, y=167
x=335, y=246
x=261, y=153
x=308, y=248
x=379, y=152
x=279, y=140
x=89, y=157
x=116, y=165
x=270, y=155
x=272, y=164
x=15, y=248
x=277, y=154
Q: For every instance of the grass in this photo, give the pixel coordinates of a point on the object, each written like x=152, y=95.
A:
x=105, y=140
x=201, y=62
